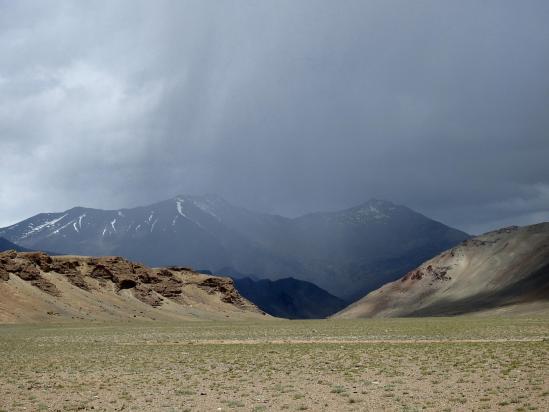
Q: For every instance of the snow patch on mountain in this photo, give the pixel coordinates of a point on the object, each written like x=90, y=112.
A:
x=80, y=220
x=372, y=212
x=207, y=207
x=44, y=225
x=61, y=228
x=179, y=204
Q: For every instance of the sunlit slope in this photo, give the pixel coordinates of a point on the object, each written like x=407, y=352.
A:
x=507, y=269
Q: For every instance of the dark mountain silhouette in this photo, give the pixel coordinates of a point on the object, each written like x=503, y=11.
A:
x=7, y=245
x=289, y=298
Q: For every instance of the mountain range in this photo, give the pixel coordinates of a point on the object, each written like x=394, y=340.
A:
x=348, y=252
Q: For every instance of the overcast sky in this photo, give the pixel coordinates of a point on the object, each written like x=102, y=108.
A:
x=279, y=106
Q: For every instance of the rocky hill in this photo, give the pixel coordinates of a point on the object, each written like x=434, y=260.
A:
x=504, y=271
x=348, y=252
x=36, y=287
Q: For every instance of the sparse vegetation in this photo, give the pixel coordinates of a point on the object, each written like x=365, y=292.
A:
x=394, y=364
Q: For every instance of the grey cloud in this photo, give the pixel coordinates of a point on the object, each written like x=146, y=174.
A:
x=283, y=106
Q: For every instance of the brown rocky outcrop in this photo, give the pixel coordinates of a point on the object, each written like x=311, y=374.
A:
x=127, y=275
x=151, y=286
x=435, y=273
x=4, y=275
x=166, y=284
x=24, y=265
x=101, y=272
x=41, y=259
x=65, y=268
x=224, y=287
x=71, y=270
x=35, y=286
x=147, y=295
x=26, y=271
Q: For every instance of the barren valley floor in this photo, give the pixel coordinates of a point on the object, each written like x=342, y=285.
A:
x=462, y=364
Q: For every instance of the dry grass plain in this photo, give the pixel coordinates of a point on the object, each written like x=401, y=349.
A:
x=439, y=364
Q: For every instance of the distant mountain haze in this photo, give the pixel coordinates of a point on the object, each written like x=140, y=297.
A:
x=348, y=253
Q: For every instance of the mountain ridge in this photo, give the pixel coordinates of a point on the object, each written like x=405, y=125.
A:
x=346, y=252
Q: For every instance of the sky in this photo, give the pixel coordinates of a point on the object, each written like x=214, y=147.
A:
x=279, y=106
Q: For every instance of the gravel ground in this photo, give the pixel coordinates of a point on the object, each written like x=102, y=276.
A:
x=395, y=364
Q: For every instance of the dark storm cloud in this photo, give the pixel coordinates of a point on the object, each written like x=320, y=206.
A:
x=281, y=106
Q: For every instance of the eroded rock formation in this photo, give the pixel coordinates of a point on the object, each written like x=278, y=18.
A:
x=151, y=286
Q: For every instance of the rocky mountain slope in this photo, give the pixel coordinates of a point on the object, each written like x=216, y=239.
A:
x=289, y=298
x=505, y=270
x=348, y=253
x=37, y=287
